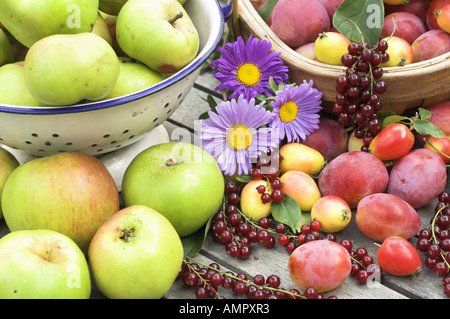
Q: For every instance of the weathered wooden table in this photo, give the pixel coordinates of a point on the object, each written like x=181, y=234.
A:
x=274, y=260
x=426, y=285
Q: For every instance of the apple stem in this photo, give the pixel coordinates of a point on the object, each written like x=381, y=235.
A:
x=176, y=17
x=376, y=244
x=171, y=162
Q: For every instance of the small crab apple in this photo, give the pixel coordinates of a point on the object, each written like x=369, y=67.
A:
x=440, y=145
x=400, y=52
x=443, y=18
x=432, y=13
x=250, y=199
x=332, y=212
x=393, y=142
x=330, y=47
x=399, y=257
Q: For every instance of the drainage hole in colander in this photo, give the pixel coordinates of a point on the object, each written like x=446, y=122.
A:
x=131, y=137
x=125, y=132
x=48, y=143
x=170, y=110
x=27, y=142
x=113, y=142
x=69, y=144
x=155, y=119
x=55, y=135
x=34, y=134
x=106, y=136
x=166, y=106
x=94, y=145
x=179, y=96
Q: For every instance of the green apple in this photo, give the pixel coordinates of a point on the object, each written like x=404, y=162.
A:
x=134, y=76
x=13, y=89
x=72, y=193
x=181, y=181
x=7, y=164
x=102, y=29
x=63, y=69
x=30, y=21
x=42, y=264
x=159, y=33
x=111, y=7
x=6, y=52
x=136, y=254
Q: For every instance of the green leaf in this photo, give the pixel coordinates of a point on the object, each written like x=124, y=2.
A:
x=394, y=119
x=425, y=127
x=287, y=212
x=266, y=9
x=272, y=84
x=244, y=178
x=368, y=15
x=193, y=243
x=203, y=116
x=424, y=113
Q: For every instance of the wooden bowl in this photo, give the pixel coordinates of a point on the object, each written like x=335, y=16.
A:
x=411, y=86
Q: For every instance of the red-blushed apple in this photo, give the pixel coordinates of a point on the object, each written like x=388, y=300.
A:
x=439, y=145
x=331, y=6
x=332, y=212
x=320, y=264
x=330, y=47
x=136, y=254
x=7, y=164
x=297, y=22
x=42, y=264
x=158, y=33
x=407, y=26
x=307, y=50
x=250, y=200
x=181, y=181
x=72, y=193
x=301, y=187
x=443, y=18
x=431, y=44
x=300, y=157
x=416, y=7
x=330, y=139
x=433, y=11
x=440, y=116
x=400, y=52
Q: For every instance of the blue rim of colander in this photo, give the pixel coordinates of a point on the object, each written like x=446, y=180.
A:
x=224, y=10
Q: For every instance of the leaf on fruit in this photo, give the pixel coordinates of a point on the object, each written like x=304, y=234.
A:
x=425, y=127
x=193, y=243
x=394, y=119
x=266, y=9
x=368, y=15
x=424, y=113
x=287, y=212
x=244, y=178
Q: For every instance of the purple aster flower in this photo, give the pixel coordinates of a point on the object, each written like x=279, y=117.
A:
x=295, y=111
x=234, y=135
x=245, y=68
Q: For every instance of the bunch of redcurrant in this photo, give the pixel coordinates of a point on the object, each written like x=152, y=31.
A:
x=435, y=240
x=358, y=90
x=208, y=280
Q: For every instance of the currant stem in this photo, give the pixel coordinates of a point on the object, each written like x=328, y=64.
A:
x=240, y=279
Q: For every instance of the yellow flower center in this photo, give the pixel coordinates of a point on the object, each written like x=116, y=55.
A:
x=248, y=74
x=239, y=137
x=288, y=111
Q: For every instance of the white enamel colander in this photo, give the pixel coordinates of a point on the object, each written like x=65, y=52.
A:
x=100, y=127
